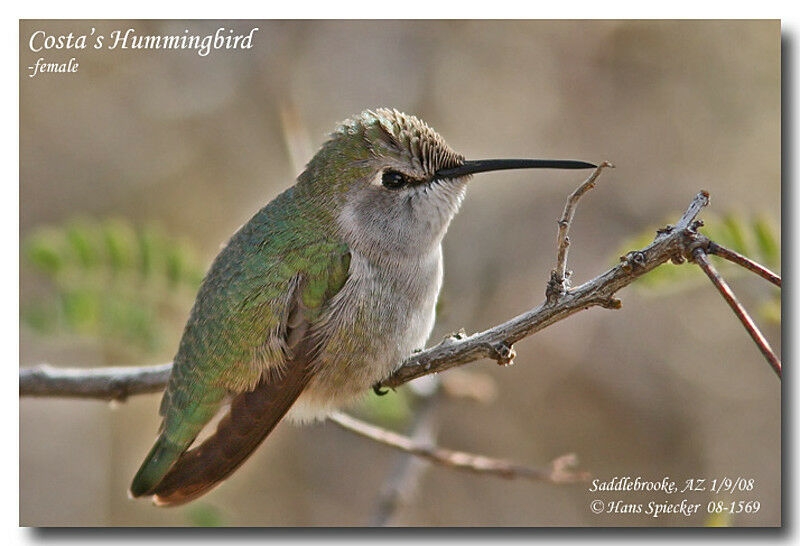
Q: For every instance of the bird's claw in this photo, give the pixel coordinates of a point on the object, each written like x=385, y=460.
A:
x=377, y=390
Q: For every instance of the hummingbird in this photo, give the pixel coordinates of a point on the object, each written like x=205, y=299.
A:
x=321, y=295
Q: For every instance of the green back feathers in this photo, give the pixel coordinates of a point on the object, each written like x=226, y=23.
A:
x=237, y=327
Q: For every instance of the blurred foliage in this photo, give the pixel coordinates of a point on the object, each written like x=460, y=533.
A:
x=722, y=519
x=204, y=515
x=110, y=280
x=394, y=409
x=118, y=282
x=756, y=237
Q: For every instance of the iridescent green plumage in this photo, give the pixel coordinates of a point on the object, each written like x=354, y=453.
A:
x=267, y=326
x=320, y=295
x=236, y=331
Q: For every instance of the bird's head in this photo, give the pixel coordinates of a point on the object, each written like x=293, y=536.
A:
x=395, y=184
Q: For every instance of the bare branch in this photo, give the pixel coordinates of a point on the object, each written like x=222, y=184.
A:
x=700, y=200
x=559, y=283
x=456, y=350
x=97, y=383
x=401, y=484
x=701, y=259
x=676, y=243
x=747, y=263
x=670, y=244
x=295, y=135
x=559, y=471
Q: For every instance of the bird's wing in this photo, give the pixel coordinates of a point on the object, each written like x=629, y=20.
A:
x=248, y=335
x=252, y=416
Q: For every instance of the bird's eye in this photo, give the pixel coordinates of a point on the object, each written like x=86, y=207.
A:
x=393, y=180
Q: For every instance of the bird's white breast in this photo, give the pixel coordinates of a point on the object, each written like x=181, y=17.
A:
x=384, y=311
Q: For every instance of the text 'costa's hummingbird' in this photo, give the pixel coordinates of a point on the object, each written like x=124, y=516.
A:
x=322, y=294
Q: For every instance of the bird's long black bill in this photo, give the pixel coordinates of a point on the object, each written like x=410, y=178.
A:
x=485, y=165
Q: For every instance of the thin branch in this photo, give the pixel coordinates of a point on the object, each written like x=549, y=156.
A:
x=406, y=475
x=96, y=383
x=295, y=135
x=559, y=277
x=701, y=259
x=456, y=350
x=700, y=200
x=675, y=243
x=747, y=263
x=495, y=343
x=559, y=471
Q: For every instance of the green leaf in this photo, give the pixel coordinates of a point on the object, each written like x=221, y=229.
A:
x=43, y=252
x=81, y=309
x=204, y=515
x=731, y=231
x=721, y=519
x=40, y=318
x=79, y=236
x=119, y=239
x=734, y=235
x=771, y=310
x=131, y=320
x=392, y=409
x=768, y=245
x=149, y=249
x=109, y=279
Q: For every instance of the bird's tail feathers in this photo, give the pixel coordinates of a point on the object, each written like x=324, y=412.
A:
x=251, y=417
x=155, y=466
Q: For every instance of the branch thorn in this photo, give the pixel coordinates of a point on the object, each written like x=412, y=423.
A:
x=666, y=230
x=557, y=287
x=611, y=303
x=697, y=224
x=454, y=336
x=633, y=260
x=502, y=352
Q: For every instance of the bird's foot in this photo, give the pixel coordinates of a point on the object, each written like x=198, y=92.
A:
x=379, y=391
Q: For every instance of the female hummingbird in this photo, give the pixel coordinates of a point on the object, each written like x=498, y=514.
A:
x=322, y=294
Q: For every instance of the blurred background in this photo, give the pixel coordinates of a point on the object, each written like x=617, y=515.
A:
x=136, y=168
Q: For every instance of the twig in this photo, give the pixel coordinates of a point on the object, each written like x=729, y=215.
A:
x=700, y=200
x=701, y=259
x=295, y=135
x=95, y=383
x=747, y=263
x=670, y=244
x=402, y=483
x=559, y=277
x=559, y=471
